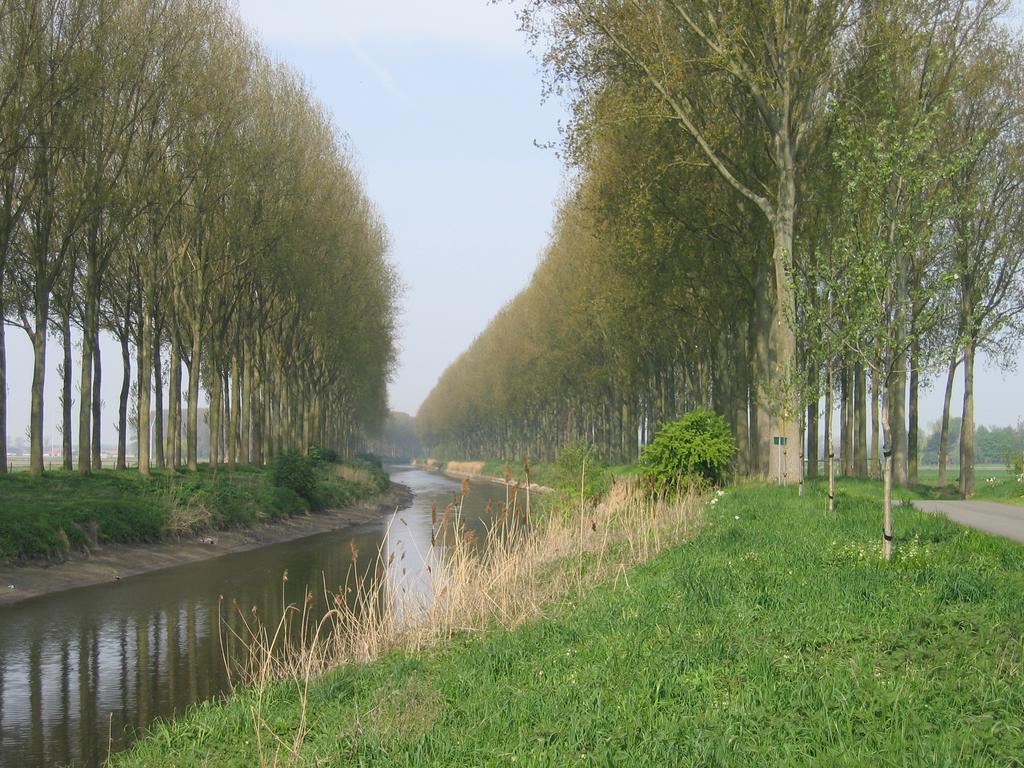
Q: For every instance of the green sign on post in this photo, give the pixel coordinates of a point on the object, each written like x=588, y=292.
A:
x=779, y=441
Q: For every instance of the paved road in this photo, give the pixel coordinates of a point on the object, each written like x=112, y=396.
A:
x=1002, y=519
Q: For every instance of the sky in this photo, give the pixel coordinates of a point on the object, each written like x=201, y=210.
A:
x=440, y=106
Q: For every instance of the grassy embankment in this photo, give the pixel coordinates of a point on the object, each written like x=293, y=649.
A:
x=64, y=511
x=777, y=636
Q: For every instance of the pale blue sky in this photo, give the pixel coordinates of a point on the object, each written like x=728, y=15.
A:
x=442, y=105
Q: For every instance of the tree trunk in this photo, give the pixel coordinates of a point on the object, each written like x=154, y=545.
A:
x=742, y=417
x=897, y=422
x=830, y=455
x=85, y=386
x=145, y=382
x=65, y=399
x=812, y=438
x=235, y=413
x=944, y=430
x=246, y=409
x=97, y=403
x=845, y=422
x=887, y=474
x=786, y=417
x=3, y=386
x=158, y=406
x=38, y=338
x=912, y=426
x=192, y=427
x=967, y=423
x=213, y=416
x=874, y=470
x=174, y=407
x=761, y=426
x=860, y=417
x=122, y=408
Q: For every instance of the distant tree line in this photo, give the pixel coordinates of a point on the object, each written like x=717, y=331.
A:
x=782, y=210
x=993, y=445
x=161, y=179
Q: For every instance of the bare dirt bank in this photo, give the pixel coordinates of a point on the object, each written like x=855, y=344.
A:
x=473, y=470
x=117, y=561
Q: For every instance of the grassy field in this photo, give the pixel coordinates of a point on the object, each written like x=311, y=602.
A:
x=64, y=511
x=777, y=636
x=993, y=482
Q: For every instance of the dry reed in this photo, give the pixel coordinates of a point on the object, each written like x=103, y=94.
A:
x=470, y=586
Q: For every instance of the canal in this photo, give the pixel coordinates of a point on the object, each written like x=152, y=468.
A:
x=83, y=672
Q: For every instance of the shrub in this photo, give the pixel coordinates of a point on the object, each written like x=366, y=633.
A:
x=294, y=471
x=1015, y=464
x=698, y=444
x=570, y=464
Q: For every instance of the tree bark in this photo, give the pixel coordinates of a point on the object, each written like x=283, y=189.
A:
x=38, y=338
x=245, y=401
x=845, y=422
x=235, y=415
x=122, y=408
x=85, y=387
x=944, y=429
x=174, y=408
x=145, y=382
x=912, y=426
x=97, y=403
x=3, y=385
x=66, y=394
x=897, y=422
x=874, y=470
x=761, y=424
x=967, y=423
x=158, y=396
x=786, y=416
x=213, y=416
x=192, y=425
x=830, y=455
x=887, y=475
x=812, y=437
x=860, y=417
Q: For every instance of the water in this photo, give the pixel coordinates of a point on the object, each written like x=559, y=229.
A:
x=83, y=672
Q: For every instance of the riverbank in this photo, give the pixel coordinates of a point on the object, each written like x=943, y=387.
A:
x=65, y=529
x=489, y=472
x=777, y=637
x=114, y=561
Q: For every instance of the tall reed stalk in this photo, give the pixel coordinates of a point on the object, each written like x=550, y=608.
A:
x=471, y=585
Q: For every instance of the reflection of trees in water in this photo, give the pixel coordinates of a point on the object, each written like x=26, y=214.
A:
x=80, y=669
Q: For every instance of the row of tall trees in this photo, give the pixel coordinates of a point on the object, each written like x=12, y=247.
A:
x=784, y=209
x=163, y=181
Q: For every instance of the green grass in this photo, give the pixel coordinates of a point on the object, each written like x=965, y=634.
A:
x=64, y=511
x=777, y=637
x=993, y=482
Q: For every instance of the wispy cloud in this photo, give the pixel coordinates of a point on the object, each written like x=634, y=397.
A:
x=347, y=22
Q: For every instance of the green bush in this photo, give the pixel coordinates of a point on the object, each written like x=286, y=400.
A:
x=698, y=444
x=1015, y=464
x=373, y=465
x=570, y=465
x=294, y=471
x=280, y=502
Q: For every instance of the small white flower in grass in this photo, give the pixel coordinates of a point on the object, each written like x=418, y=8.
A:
x=720, y=493
x=737, y=517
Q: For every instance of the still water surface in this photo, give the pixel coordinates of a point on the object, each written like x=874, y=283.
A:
x=83, y=672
